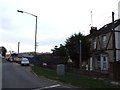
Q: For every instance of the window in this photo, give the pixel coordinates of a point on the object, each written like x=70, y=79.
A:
x=117, y=28
x=98, y=62
x=104, y=62
x=94, y=43
x=103, y=41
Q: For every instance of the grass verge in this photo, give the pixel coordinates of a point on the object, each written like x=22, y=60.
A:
x=73, y=79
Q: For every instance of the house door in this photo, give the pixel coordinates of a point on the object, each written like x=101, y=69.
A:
x=104, y=62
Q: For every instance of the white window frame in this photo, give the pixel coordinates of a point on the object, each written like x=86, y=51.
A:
x=102, y=60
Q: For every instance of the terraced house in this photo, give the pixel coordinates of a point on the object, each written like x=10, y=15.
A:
x=105, y=48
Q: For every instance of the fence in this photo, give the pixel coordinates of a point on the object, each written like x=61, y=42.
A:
x=113, y=73
x=115, y=70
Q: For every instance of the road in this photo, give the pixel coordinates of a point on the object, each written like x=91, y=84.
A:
x=15, y=76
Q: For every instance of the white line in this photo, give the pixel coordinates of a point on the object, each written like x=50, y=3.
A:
x=57, y=85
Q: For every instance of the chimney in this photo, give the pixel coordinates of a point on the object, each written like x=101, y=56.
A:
x=93, y=29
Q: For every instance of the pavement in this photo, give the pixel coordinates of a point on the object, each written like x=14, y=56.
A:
x=109, y=80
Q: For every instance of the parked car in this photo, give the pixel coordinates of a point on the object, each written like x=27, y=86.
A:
x=11, y=59
x=17, y=59
x=25, y=61
x=7, y=57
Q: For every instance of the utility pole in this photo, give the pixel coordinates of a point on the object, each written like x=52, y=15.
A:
x=80, y=61
x=18, y=46
x=113, y=31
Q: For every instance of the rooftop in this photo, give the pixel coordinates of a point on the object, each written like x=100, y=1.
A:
x=105, y=29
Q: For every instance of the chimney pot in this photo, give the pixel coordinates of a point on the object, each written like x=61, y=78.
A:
x=93, y=29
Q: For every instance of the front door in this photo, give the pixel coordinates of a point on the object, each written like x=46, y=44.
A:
x=104, y=62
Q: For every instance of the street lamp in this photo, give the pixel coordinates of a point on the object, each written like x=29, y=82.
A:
x=35, y=27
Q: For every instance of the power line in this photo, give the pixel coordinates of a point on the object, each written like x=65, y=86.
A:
x=109, y=17
x=105, y=21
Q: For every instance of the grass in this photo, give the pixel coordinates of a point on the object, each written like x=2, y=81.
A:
x=73, y=79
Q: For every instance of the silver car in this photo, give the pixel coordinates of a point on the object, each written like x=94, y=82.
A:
x=25, y=61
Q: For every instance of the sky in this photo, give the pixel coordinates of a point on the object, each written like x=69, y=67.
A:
x=57, y=21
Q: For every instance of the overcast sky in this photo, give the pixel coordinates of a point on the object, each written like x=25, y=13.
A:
x=57, y=21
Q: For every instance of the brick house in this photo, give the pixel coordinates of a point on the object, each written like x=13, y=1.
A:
x=105, y=47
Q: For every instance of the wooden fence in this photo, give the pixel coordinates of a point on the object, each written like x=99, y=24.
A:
x=115, y=70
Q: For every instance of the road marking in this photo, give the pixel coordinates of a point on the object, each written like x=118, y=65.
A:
x=57, y=85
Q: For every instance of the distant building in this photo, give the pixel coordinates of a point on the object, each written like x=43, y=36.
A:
x=27, y=54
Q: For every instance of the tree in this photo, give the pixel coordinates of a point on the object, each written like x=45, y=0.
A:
x=72, y=48
x=60, y=52
x=73, y=45
x=4, y=50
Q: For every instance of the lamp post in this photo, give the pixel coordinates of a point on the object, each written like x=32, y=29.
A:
x=35, y=27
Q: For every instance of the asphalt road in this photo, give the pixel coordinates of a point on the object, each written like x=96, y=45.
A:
x=16, y=77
